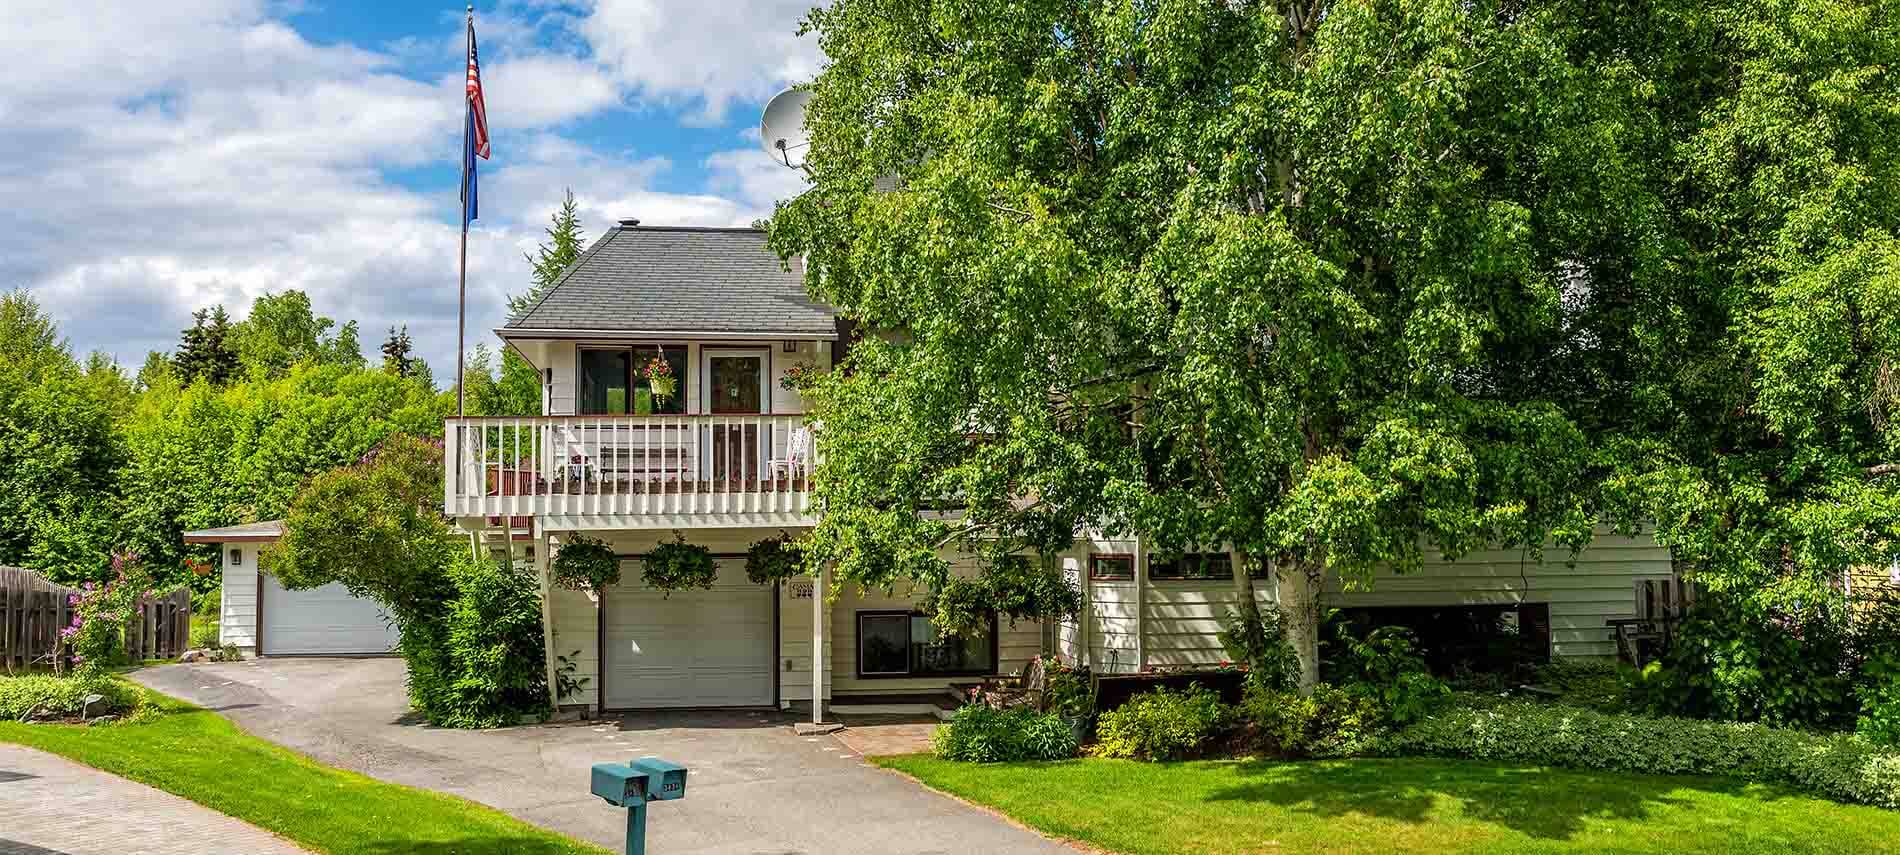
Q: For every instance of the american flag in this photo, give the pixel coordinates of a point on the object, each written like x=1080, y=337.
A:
x=477, y=111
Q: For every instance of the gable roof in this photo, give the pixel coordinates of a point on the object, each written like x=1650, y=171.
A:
x=664, y=280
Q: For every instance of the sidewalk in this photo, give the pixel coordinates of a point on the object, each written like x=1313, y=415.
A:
x=49, y=804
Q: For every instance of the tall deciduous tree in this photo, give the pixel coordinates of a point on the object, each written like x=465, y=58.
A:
x=283, y=331
x=1332, y=282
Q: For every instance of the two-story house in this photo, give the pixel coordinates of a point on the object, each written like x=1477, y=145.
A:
x=723, y=454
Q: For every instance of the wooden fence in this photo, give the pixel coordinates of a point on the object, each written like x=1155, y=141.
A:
x=34, y=610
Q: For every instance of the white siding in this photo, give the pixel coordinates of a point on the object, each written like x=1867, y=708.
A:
x=562, y=357
x=237, y=601
x=576, y=635
x=1015, y=645
x=1182, y=619
x=1599, y=585
x=561, y=360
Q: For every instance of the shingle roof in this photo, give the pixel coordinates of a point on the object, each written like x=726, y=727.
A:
x=246, y=533
x=663, y=279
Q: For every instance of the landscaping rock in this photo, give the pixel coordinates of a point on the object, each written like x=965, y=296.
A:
x=193, y=656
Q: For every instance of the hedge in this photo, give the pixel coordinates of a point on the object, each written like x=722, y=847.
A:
x=980, y=733
x=1841, y=766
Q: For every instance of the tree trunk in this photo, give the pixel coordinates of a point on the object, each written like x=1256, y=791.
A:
x=1248, y=607
x=1299, y=593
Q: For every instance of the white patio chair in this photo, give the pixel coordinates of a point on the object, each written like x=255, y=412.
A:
x=578, y=460
x=797, y=455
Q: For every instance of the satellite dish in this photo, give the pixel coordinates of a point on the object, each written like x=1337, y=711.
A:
x=782, y=130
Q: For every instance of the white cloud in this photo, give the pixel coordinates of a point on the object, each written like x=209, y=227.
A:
x=160, y=160
x=711, y=54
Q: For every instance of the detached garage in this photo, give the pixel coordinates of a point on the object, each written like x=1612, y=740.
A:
x=261, y=617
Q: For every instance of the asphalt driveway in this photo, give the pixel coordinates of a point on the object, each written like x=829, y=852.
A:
x=754, y=787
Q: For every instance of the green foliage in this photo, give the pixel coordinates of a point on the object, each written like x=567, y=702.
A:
x=1017, y=587
x=1839, y=766
x=1329, y=722
x=1163, y=725
x=1732, y=659
x=205, y=351
x=678, y=566
x=481, y=664
x=1258, y=640
x=774, y=559
x=1066, y=688
x=204, y=635
x=585, y=564
x=64, y=697
x=282, y=331
x=979, y=733
x=1385, y=667
x=566, y=684
x=100, y=614
x=399, y=354
x=1876, y=629
x=1597, y=685
x=373, y=528
x=564, y=245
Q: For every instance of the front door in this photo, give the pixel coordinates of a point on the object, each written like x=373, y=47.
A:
x=735, y=386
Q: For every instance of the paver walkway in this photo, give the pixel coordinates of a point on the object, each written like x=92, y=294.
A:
x=49, y=804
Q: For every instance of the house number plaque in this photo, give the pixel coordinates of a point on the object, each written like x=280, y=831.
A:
x=800, y=588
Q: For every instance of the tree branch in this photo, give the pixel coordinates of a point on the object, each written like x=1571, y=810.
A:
x=1881, y=469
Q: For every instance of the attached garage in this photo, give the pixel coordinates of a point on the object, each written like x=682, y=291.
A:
x=259, y=616
x=713, y=648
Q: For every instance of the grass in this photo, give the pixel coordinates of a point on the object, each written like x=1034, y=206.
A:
x=1377, y=806
x=201, y=756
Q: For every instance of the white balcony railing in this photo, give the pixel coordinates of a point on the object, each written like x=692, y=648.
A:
x=628, y=465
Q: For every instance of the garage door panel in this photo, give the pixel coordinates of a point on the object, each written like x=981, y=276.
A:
x=323, y=621
x=691, y=649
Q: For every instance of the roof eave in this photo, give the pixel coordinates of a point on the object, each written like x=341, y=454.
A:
x=564, y=333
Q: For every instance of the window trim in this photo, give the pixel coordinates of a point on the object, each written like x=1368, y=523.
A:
x=1116, y=556
x=857, y=642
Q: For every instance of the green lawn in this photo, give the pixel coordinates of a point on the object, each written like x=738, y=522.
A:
x=203, y=757
x=1377, y=806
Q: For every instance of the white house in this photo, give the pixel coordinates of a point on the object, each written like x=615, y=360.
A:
x=726, y=460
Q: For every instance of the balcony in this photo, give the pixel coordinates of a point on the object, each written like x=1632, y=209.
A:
x=631, y=471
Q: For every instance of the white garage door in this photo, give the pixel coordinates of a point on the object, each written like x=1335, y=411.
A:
x=692, y=648
x=324, y=620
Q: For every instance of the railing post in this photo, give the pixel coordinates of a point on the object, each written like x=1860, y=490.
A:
x=451, y=455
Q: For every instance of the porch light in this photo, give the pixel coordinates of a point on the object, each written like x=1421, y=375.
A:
x=791, y=346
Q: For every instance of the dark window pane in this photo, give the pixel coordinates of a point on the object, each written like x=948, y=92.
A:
x=603, y=382
x=936, y=653
x=883, y=644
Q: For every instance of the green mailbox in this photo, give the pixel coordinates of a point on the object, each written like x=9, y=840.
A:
x=665, y=781
x=633, y=785
x=620, y=785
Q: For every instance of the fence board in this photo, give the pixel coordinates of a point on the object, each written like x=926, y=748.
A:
x=34, y=610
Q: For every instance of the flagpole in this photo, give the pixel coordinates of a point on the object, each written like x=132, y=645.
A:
x=461, y=291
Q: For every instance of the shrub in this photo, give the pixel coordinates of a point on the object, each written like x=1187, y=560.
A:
x=774, y=559
x=1163, y=725
x=100, y=613
x=1877, y=680
x=1735, y=661
x=1842, y=767
x=481, y=664
x=980, y=733
x=1066, y=690
x=1385, y=667
x=204, y=635
x=1262, y=646
x=1331, y=722
x=63, y=697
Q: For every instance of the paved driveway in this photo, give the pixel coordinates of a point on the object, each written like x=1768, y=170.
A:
x=754, y=787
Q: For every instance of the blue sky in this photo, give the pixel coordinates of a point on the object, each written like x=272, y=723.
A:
x=164, y=161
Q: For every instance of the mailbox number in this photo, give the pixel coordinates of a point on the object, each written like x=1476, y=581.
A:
x=669, y=787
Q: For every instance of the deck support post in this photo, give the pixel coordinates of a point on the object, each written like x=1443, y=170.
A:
x=818, y=663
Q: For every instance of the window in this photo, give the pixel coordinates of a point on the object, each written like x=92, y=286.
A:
x=1112, y=568
x=906, y=644
x=604, y=382
x=1193, y=565
x=612, y=385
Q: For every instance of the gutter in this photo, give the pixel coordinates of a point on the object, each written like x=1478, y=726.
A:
x=506, y=333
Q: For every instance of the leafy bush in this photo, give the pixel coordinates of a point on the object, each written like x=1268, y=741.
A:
x=1385, y=667
x=100, y=613
x=1066, y=688
x=1842, y=767
x=1877, y=679
x=204, y=635
x=1331, y=722
x=1733, y=660
x=1163, y=725
x=585, y=564
x=980, y=733
x=63, y=697
x=1592, y=684
x=679, y=565
x=481, y=664
x=1261, y=644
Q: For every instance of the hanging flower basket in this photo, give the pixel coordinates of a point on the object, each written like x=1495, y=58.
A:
x=585, y=564
x=774, y=559
x=678, y=566
x=660, y=380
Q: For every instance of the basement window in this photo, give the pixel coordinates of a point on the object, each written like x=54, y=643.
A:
x=907, y=644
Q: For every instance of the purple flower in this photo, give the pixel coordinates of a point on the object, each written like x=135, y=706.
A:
x=88, y=586
x=72, y=599
x=78, y=659
x=68, y=632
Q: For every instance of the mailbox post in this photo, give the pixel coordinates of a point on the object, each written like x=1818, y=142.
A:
x=632, y=785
